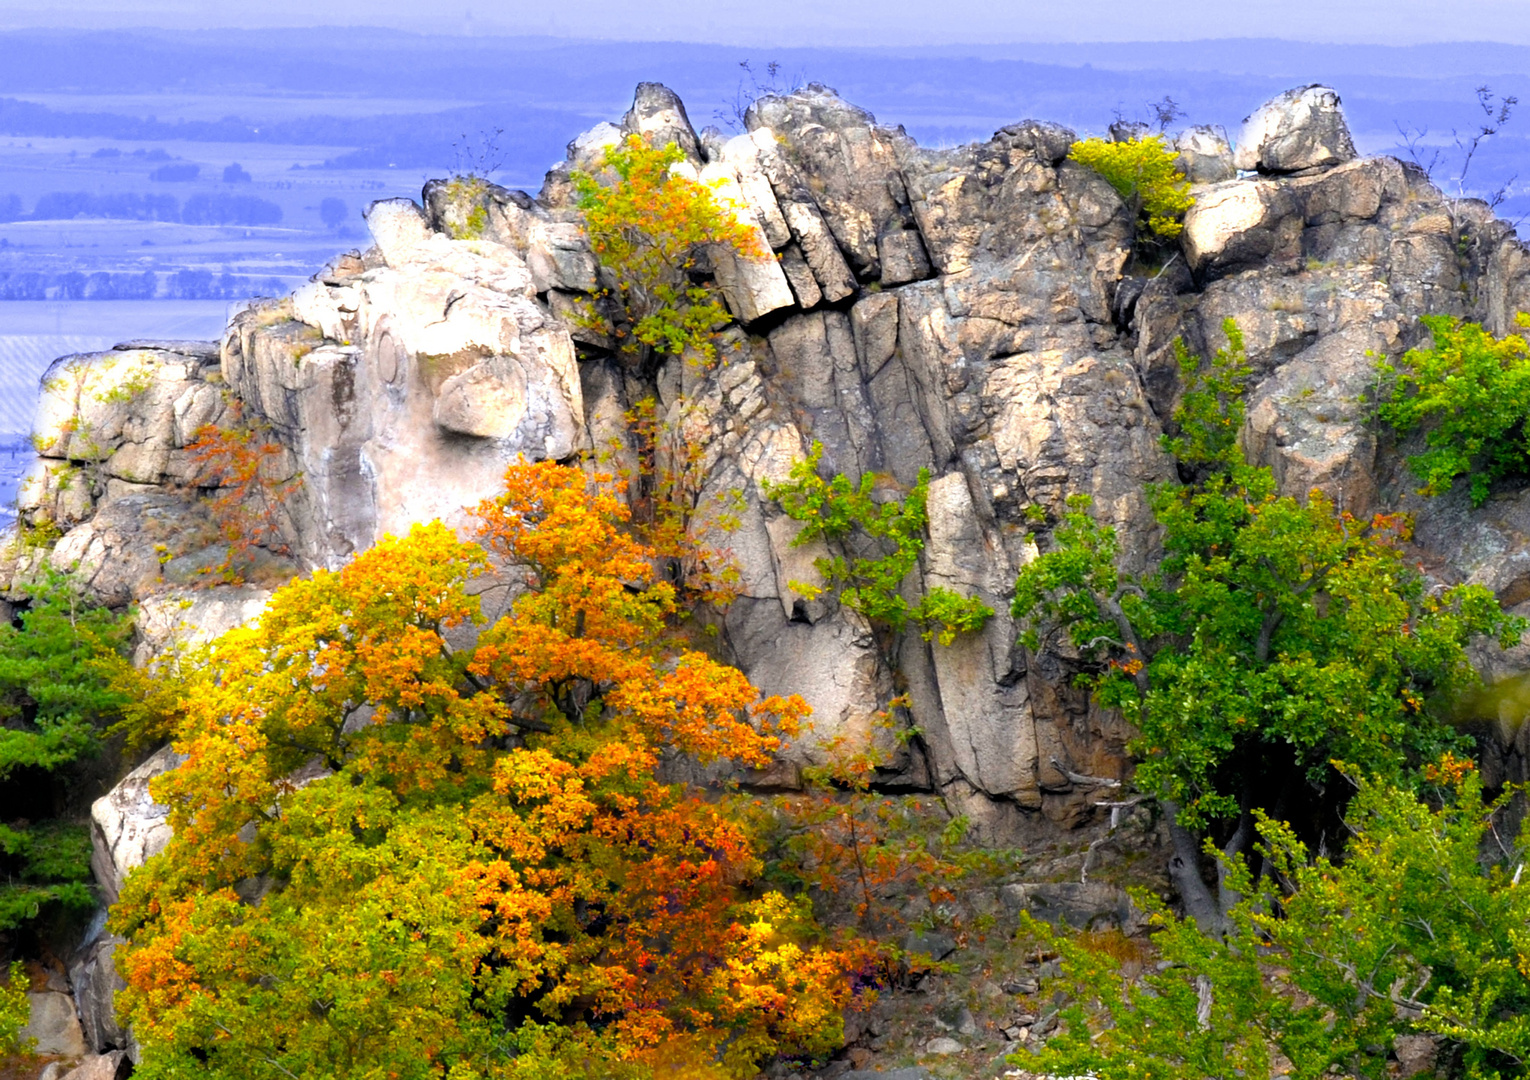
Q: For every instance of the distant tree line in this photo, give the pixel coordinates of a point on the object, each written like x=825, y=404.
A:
x=131, y=285
x=407, y=140
x=215, y=208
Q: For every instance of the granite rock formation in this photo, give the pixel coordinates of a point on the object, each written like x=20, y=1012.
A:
x=978, y=312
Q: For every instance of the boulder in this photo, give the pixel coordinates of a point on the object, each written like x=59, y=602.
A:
x=753, y=285
x=1303, y=128
x=1080, y=905
x=447, y=371
x=117, y=551
x=1239, y=224
x=96, y=983
x=399, y=229
x=487, y=400
x=1205, y=155
x=743, y=153
x=53, y=1024
x=113, y=1066
x=186, y=618
x=658, y=114
x=128, y=826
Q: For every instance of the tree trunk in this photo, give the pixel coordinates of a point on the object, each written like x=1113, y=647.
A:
x=1185, y=872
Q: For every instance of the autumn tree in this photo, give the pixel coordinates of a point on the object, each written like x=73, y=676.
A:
x=409, y=844
x=651, y=226
x=1278, y=635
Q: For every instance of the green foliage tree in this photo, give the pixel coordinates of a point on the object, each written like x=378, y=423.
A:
x=1415, y=931
x=1146, y=173
x=1277, y=635
x=1472, y=391
x=55, y=701
x=651, y=226
x=839, y=511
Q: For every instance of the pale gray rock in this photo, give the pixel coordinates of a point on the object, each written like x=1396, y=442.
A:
x=800, y=210
x=398, y=228
x=743, y=153
x=412, y=420
x=96, y=983
x=943, y=1046
x=1303, y=128
x=186, y=618
x=1205, y=155
x=586, y=149
x=113, y=1066
x=975, y=312
x=127, y=826
x=800, y=276
x=487, y=400
x=858, y=184
x=1082, y=906
x=53, y=1024
x=114, y=552
x=1238, y=224
x=658, y=114
x=984, y=703
x=753, y=285
x=1416, y=1054
x=205, y=351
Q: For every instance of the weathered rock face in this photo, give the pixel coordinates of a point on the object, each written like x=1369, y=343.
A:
x=404, y=387
x=128, y=826
x=973, y=312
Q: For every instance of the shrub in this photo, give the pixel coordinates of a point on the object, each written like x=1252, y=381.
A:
x=175, y=174
x=15, y=1011
x=1145, y=171
x=55, y=701
x=1472, y=390
x=243, y=467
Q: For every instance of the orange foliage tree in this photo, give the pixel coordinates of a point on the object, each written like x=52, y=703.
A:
x=409, y=845
x=243, y=467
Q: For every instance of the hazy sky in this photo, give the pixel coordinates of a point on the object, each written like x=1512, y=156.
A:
x=806, y=22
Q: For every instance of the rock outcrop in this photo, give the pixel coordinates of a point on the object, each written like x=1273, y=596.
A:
x=976, y=312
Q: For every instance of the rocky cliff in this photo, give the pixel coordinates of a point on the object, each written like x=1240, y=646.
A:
x=977, y=312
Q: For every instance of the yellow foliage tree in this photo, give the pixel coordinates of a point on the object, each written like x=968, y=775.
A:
x=651, y=226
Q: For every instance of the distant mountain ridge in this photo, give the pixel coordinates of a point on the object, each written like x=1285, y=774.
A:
x=538, y=88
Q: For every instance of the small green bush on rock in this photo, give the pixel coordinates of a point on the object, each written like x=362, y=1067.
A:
x=836, y=510
x=1473, y=391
